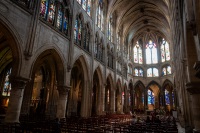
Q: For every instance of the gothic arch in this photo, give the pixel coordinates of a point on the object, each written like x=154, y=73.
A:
x=153, y=82
x=110, y=79
x=99, y=72
x=167, y=82
x=14, y=42
x=47, y=73
x=140, y=84
x=84, y=65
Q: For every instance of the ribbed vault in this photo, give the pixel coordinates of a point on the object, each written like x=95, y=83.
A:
x=137, y=17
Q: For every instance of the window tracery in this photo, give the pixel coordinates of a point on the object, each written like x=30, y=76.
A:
x=152, y=72
x=59, y=18
x=151, y=53
x=86, y=5
x=138, y=54
x=165, y=53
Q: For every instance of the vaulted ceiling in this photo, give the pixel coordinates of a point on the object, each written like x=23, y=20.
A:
x=135, y=18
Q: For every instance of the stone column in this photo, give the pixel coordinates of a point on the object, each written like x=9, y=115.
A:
x=194, y=89
x=15, y=100
x=62, y=101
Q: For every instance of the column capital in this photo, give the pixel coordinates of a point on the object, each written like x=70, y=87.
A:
x=18, y=82
x=63, y=89
x=193, y=87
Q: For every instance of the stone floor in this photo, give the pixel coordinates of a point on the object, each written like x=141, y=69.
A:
x=180, y=129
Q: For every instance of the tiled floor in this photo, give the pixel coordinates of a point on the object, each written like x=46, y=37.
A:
x=180, y=129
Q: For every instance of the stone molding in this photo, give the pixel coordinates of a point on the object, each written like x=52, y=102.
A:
x=197, y=68
x=63, y=90
x=193, y=87
x=18, y=82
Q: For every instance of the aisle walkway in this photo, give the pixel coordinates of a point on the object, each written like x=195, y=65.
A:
x=180, y=129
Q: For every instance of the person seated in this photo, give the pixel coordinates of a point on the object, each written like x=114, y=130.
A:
x=157, y=120
x=134, y=115
x=148, y=120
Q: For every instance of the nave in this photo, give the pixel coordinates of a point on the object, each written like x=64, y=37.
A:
x=126, y=123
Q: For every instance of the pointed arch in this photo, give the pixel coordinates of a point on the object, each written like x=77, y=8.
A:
x=167, y=82
x=84, y=64
x=153, y=82
x=99, y=72
x=14, y=41
x=55, y=55
x=110, y=79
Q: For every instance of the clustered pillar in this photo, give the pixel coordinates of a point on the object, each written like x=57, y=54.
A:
x=15, y=100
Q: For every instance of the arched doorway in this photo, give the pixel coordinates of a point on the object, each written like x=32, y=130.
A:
x=76, y=92
x=5, y=73
x=125, y=99
x=78, y=96
x=153, y=96
x=131, y=97
x=95, y=93
x=9, y=65
x=118, y=98
x=139, y=97
x=47, y=75
x=108, y=96
x=169, y=96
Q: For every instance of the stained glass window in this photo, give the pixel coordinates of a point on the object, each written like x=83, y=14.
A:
x=169, y=70
x=151, y=53
x=151, y=98
x=89, y=7
x=143, y=98
x=164, y=71
x=43, y=8
x=66, y=23
x=138, y=72
x=99, y=15
x=152, y=72
x=165, y=54
x=110, y=30
x=173, y=99
x=118, y=42
x=76, y=30
x=167, y=100
x=130, y=69
x=7, y=84
x=51, y=14
x=84, y=4
x=155, y=72
x=79, y=1
x=138, y=54
x=149, y=72
x=86, y=38
x=60, y=18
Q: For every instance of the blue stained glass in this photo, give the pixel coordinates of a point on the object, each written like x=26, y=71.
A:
x=88, y=7
x=84, y=4
x=7, y=84
x=151, y=98
x=76, y=30
x=173, y=98
x=65, y=24
x=140, y=72
x=167, y=100
x=60, y=18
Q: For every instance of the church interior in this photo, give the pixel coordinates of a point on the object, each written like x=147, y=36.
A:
x=97, y=65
